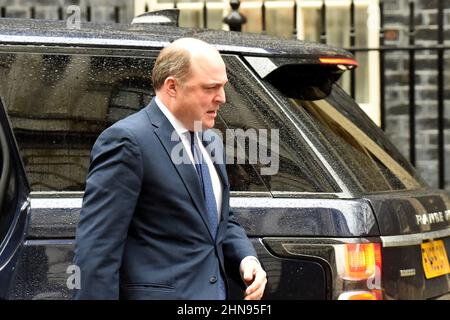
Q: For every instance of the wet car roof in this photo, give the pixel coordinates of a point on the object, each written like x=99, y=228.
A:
x=156, y=36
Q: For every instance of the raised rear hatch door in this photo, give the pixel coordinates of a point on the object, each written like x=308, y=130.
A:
x=415, y=231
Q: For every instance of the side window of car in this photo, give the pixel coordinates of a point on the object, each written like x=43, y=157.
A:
x=273, y=147
x=59, y=103
x=242, y=176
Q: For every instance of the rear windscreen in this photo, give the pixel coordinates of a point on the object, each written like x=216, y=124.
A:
x=372, y=160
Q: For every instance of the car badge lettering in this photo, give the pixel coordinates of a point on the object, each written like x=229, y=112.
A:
x=431, y=218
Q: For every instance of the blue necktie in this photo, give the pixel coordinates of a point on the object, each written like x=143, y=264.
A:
x=210, y=199
x=206, y=184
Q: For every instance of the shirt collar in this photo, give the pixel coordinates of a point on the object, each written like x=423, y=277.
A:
x=177, y=125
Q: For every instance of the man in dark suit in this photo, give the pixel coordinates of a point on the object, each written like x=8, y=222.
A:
x=154, y=228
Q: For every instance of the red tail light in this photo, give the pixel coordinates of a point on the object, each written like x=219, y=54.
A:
x=361, y=295
x=359, y=266
x=362, y=260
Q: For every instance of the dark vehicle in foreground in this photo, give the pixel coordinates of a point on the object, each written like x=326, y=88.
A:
x=332, y=208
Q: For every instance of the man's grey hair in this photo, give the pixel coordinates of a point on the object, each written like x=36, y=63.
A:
x=175, y=60
x=172, y=61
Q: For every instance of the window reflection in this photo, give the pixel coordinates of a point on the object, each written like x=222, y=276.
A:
x=372, y=165
x=250, y=107
x=58, y=105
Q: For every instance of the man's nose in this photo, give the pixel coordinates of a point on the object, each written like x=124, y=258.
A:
x=220, y=97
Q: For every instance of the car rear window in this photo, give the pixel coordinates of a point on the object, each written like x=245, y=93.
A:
x=372, y=160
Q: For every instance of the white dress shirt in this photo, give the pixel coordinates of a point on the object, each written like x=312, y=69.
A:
x=182, y=133
x=216, y=183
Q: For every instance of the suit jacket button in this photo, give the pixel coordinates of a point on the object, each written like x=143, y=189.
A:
x=213, y=279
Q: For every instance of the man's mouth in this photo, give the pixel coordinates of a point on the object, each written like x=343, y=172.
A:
x=212, y=113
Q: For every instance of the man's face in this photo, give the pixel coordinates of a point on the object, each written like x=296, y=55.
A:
x=201, y=95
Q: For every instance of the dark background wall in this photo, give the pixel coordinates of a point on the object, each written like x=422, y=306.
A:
x=426, y=89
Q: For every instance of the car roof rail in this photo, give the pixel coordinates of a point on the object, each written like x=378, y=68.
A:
x=166, y=17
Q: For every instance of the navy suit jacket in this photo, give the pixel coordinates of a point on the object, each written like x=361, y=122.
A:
x=143, y=231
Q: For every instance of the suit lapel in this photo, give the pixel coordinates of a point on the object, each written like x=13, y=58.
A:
x=220, y=168
x=186, y=171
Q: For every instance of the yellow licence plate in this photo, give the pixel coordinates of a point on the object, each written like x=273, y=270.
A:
x=434, y=259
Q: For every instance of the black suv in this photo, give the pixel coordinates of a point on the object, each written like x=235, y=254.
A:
x=334, y=211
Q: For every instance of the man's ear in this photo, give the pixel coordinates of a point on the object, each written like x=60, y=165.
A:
x=170, y=86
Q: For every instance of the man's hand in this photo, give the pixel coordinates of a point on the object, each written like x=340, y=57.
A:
x=254, y=277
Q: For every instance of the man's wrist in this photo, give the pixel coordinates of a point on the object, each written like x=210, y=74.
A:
x=249, y=258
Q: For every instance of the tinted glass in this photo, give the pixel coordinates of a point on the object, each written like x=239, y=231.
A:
x=358, y=144
x=251, y=109
x=58, y=105
x=241, y=176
